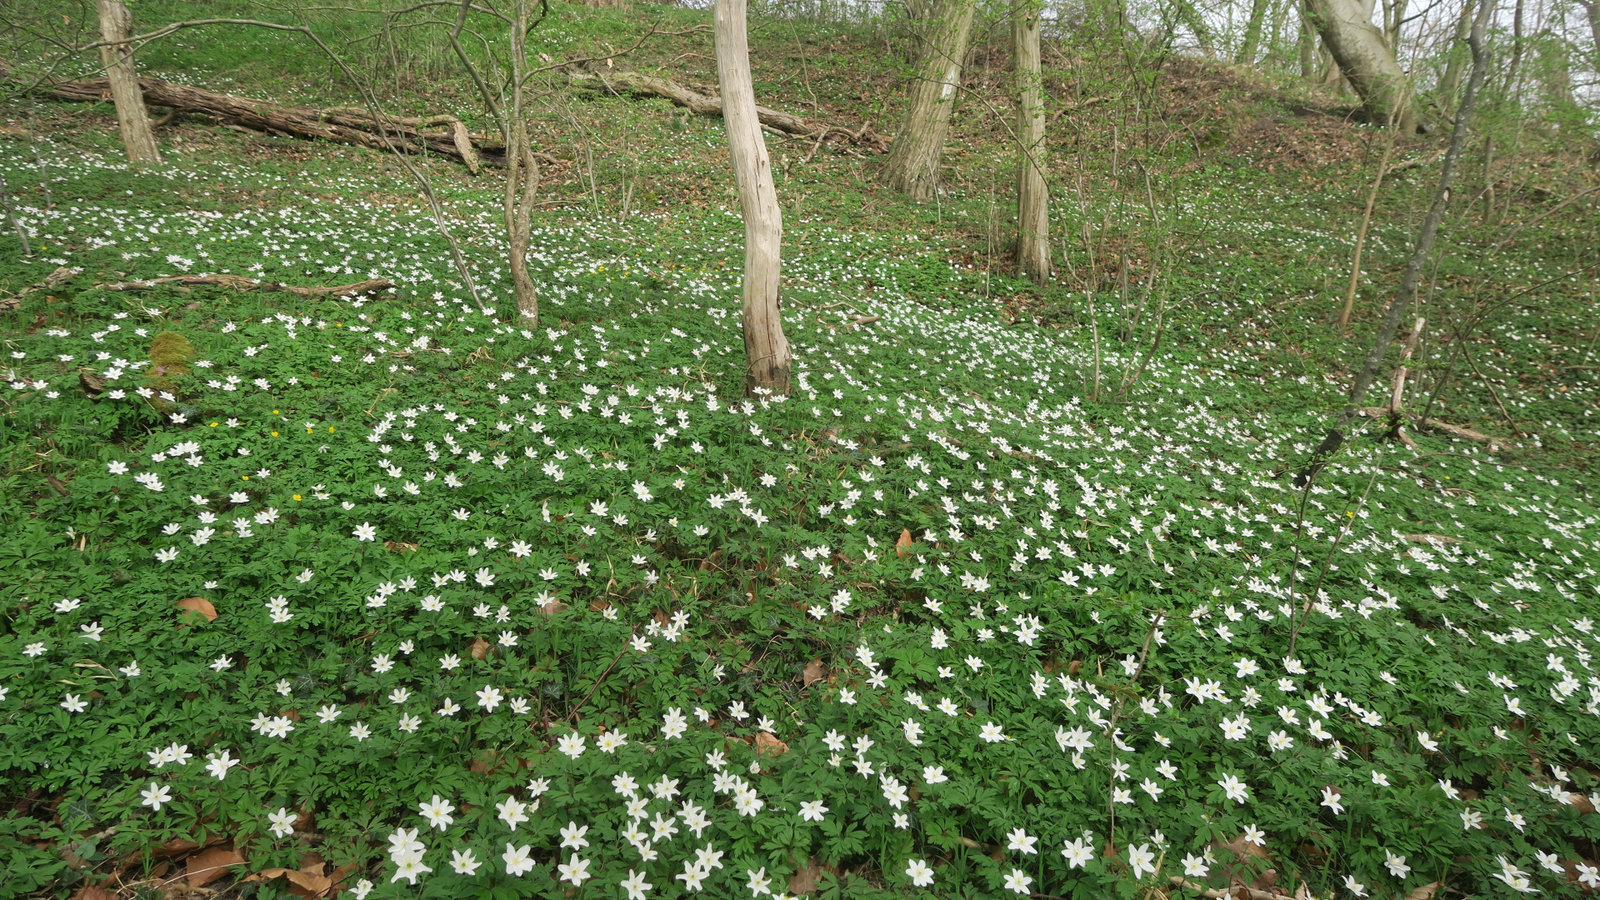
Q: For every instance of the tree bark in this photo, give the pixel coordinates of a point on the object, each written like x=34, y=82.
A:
x=138, y=140
x=766, y=350
x=1252, y=34
x=1430, y=224
x=1450, y=81
x=1033, y=194
x=914, y=157
x=1366, y=60
x=1307, y=47
x=442, y=134
x=522, y=169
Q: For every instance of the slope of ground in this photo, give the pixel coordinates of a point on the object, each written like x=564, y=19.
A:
x=400, y=596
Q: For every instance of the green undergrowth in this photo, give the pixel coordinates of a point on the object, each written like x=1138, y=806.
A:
x=438, y=595
x=1017, y=592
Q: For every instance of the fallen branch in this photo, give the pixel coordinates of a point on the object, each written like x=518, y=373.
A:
x=239, y=282
x=54, y=279
x=1466, y=434
x=442, y=135
x=651, y=86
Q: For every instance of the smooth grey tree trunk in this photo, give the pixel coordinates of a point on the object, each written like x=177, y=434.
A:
x=1033, y=194
x=1366, y=60
x=918, y=148
x=116, y=56
x=767, y=359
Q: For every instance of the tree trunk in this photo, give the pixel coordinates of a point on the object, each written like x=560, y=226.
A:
x=1450, y=81
x=913, y=164
x=1252, y=34
x=1033, y=195
x=522, y=170
x=766, y=351
x=1366, y=60
x=1591, y=9
x=1430, y=224
x=116, y=25
x=1307, y=47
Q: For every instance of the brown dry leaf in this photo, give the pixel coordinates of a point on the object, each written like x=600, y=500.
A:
x=93, y=892
x=304, y=882
x=199, y=605
x=1425, y=892
x=804, y=880
x=400, y=547
x=904, y=542
x=767, y=744
x=814, y=672
x=552, y=607
x=209, y=865
x=480, y=649
x=1580, y=802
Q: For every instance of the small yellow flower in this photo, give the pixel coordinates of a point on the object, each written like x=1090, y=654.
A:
x=297, y=498
x=274, y=434
x=330, y=428
x=213, y=424
x=244, y=477
x=274, y=412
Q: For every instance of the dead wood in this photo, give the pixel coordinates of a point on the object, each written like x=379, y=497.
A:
x=54, y=279
x=1466, y=434
x=634, y=84
x=239, y=282
x=442, y=135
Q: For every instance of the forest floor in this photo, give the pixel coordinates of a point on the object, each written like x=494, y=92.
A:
x=400, y=595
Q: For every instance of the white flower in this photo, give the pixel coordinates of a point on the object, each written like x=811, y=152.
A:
x=1022, y=842
x=1078, y=853
x=512, y=811
x=437, y=811
x=920, y=873
x=812, y=810
x=635, y=885
x=575, y=870
x=282, y=822
x=517, y=859
x=992, y=733
x=155, y=796
x=366, y=531
x=1330, y=799
x=572, y=836
x=462, y=862
x=1018, y=881
x=1143, y=860
x=1395, y=864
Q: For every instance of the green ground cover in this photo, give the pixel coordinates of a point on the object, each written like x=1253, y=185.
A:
x=424, y=600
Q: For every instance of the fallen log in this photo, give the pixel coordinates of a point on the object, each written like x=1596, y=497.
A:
x=442, y=135
x=239, y=282
x=53, y=280
x=635, y=84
